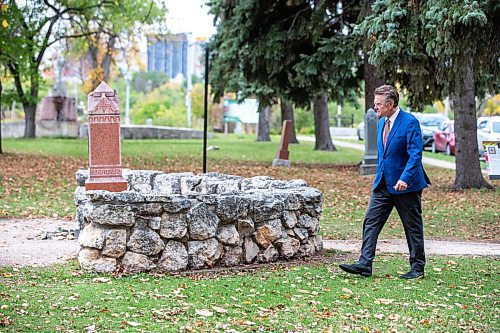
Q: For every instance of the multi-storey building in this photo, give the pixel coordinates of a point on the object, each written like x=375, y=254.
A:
x=168, y=54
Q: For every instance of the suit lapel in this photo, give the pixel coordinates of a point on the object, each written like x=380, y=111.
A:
x=380, y=141
x=399, y=120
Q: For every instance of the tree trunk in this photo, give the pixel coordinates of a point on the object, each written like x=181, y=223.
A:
x=468, y=173
x=1, y=151
x=287, y=114
x=322, y=125
x=373, y=80
x=29, y=120
x=263, y=129
x=108, y=57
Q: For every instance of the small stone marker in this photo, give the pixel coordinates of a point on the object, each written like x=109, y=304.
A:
x=105, y=168
x=283, y=153
x=369, y=164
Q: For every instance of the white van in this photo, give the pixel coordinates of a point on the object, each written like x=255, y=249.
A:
x=488, y=129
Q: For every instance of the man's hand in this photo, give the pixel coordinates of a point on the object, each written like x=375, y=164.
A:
x=400, y=186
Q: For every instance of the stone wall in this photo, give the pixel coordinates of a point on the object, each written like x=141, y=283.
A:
x=44, y=128
x=151, y=132
x=174, y=222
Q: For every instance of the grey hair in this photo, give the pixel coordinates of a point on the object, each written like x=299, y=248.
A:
x=390, y=93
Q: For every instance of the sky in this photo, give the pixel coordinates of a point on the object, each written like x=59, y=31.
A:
x=189, y=16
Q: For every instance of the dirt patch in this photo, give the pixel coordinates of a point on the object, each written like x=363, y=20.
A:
x=35, y=242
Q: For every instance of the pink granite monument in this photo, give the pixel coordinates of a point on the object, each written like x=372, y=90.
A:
x=105, y=170
x=282, y=155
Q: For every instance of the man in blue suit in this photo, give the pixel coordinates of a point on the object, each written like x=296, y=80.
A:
x=398, y=183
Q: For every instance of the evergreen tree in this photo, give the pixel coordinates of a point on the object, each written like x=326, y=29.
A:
x=441, y=48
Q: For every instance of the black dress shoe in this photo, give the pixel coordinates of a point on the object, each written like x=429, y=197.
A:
x=412, y=275
x=356, y=269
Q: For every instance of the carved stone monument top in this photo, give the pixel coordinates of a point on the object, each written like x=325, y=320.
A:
x=103, y=100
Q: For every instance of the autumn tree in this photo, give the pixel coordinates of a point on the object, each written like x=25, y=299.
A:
x=34, y=26
x=299, y=51
x=108, y=30
x=441, y=48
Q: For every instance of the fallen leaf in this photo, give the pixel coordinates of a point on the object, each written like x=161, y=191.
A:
x=100, y=279
x=219, y=309
x=384, y=301
x=131, y=323
x=204, y=313
x=393, y=317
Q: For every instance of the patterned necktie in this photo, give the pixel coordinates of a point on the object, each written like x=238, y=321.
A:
x=387, y=129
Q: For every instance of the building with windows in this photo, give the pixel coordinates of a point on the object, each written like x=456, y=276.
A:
x=168, y=54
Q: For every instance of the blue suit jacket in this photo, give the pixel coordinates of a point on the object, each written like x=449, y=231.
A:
x=402, y=158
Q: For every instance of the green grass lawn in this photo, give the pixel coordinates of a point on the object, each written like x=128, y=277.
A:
x=231, y=147
x=457, y=295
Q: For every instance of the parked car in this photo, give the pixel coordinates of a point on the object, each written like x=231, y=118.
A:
x=444, y=138
x=488, y=129
x=429, y=122
x=361, y=130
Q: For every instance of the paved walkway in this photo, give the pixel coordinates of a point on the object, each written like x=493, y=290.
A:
x=427, y=160
x=433, y=247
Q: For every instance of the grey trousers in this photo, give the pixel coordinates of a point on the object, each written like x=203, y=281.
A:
x=409, y=207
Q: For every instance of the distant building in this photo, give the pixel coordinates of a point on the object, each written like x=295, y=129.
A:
x=168, y=54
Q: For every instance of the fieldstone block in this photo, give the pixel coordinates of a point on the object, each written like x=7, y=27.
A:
x=269, y=254
x=173, y=225
x=145, y=241
x=142, y=180
x=250, y=250
x=154, y=223
x=228, y=235
x=306, y=250
x=231, y=256
x=204, y=253
x=245, y=227
x=266, y=234
x=177, y=204
x=150, y=209
x=116, y=243
x=289, y=219
x=266, y=207
x=116, y=215
x=231, y=208
x=301, y=233
x=91, y=260
x=287, y=246
x=93, y=235
x=169, y=183
x=136, y=262
x=81, y=176
x=202, y=223
x=189, y=184
x=174, y=257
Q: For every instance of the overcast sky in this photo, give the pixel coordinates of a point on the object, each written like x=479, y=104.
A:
x=189, y=16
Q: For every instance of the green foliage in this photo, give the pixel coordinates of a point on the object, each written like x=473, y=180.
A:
x=425, y=45
x=198, y=100
x=145, y=82
x=165, y=106
x=287, y=49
